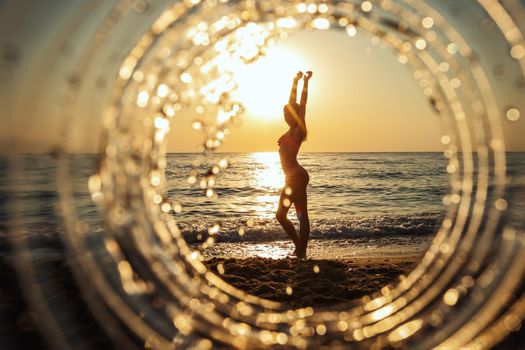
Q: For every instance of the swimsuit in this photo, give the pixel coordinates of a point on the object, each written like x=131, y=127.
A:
x=297, y=177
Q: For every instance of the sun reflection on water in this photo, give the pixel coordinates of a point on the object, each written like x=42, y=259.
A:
x=268, y=177
x=270, y=251
x=268, y=173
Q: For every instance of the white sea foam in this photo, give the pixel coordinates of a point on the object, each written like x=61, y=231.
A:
x=264, y=230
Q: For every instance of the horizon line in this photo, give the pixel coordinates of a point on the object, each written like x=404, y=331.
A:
x=239, y=152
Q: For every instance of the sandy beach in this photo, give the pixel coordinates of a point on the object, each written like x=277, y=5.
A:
x=313, y=282
x=337, y=270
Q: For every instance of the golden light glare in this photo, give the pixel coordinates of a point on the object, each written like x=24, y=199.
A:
x=191, y=58
x=255, y=76
x=264, y=85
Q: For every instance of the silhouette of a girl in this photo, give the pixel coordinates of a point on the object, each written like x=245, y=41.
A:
x=294, y=191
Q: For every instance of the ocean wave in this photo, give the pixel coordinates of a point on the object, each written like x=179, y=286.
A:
x=263, y=230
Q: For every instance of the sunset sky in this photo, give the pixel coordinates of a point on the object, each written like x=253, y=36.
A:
x=361, y=99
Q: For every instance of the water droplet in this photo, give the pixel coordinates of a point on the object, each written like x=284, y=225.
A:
x=486, y=24
x=427, y=22
x=140, y=6
x=351, y=30
x=366, y=6
x=512, y=114
x=500, y=71
x=517, y=51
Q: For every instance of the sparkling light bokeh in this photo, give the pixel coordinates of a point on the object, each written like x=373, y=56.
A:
x=462, y=294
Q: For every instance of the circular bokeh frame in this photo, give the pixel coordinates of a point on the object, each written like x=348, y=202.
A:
x=140, y=274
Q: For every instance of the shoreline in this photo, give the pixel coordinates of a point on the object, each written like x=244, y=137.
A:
x=343, y=249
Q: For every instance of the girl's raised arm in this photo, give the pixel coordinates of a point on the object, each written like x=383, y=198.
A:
x=293, y=93
x=304, y=93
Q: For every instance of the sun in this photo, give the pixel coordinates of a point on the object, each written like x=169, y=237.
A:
x=264, y=86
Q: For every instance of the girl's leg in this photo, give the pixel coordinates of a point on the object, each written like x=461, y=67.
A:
x=282, y=217
x=301, y=207
x=293, y=93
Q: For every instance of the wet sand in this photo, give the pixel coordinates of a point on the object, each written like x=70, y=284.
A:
x=313, y=282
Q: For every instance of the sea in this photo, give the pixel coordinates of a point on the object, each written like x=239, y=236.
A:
x=358, y=203
x=373, y=203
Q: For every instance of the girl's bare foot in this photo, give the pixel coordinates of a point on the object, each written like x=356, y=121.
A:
x=301, y=256
x=296, y=251
x=300, y=253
